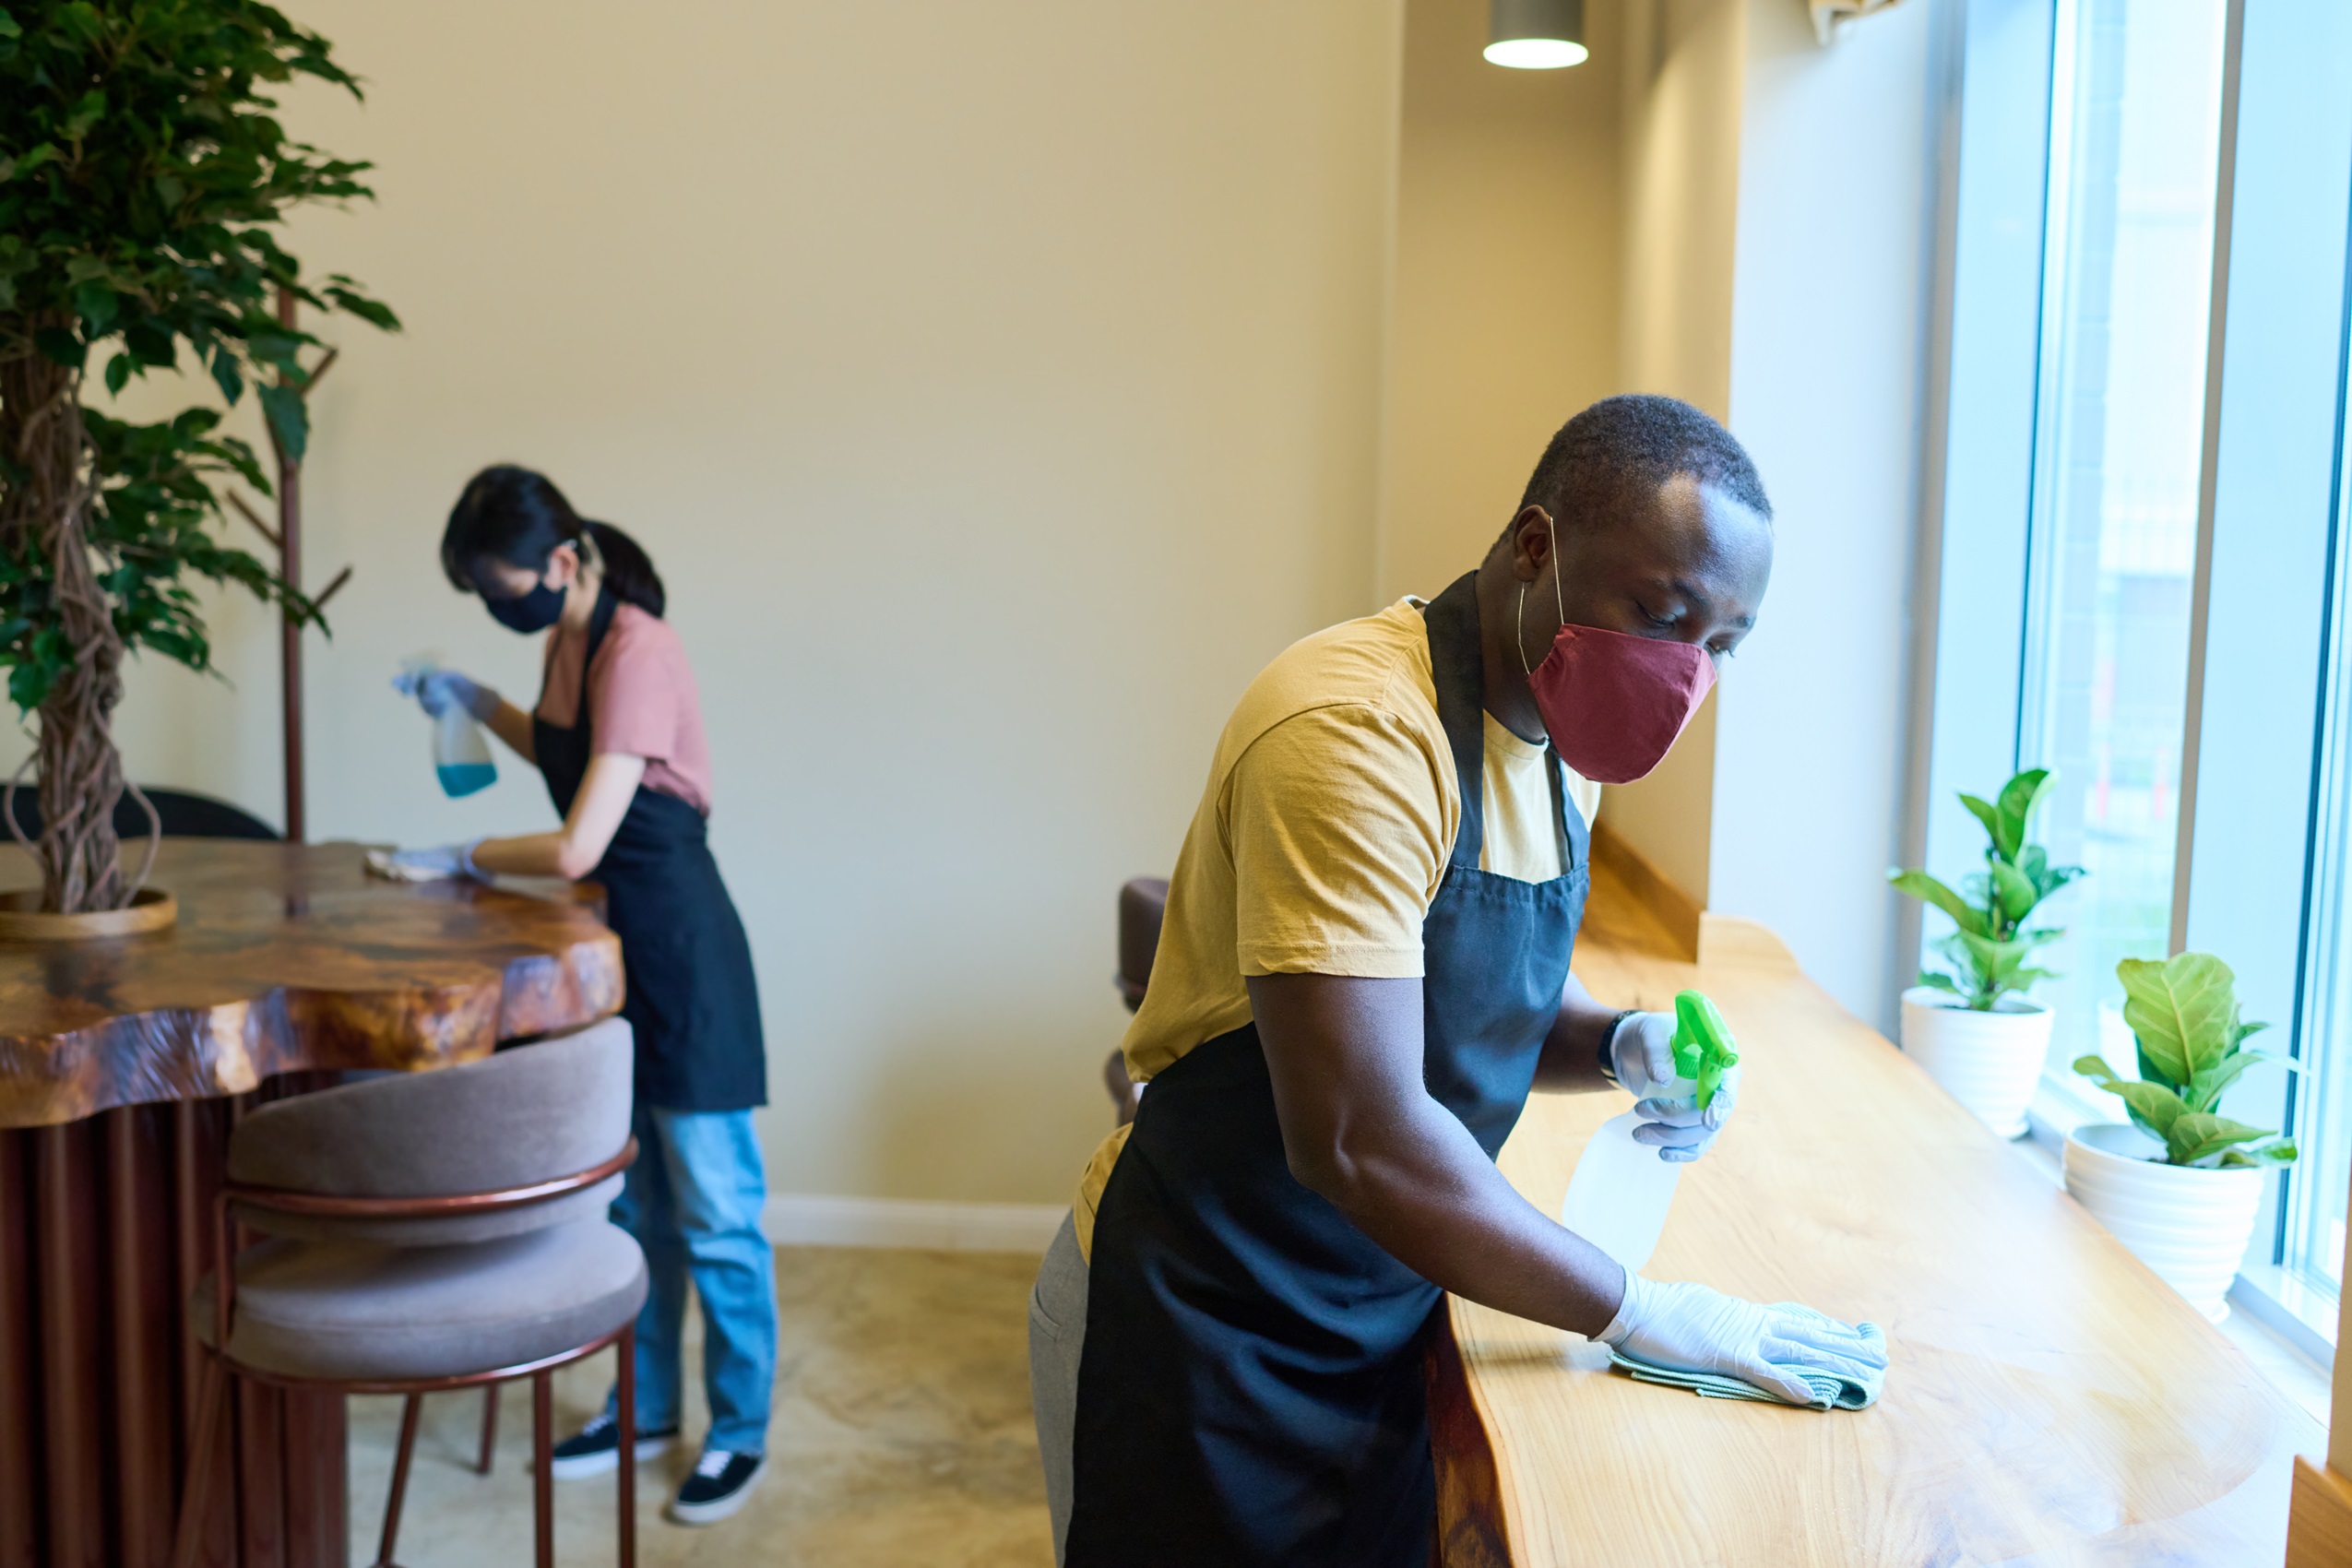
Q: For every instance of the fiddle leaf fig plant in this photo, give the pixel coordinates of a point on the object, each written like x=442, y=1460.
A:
x=1989, y=953
x=145, y=179
x=2184, y=1013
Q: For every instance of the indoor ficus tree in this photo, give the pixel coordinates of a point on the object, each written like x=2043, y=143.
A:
x=143, y=176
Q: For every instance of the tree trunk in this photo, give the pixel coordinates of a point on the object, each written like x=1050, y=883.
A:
x=44, y=505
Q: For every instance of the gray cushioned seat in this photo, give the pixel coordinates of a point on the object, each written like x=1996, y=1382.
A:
x=341, y=1310
x=528, y=1114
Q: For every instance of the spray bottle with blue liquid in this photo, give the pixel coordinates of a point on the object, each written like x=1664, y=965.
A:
x=461, y=759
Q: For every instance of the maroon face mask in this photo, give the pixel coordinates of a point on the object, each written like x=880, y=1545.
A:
x=1614, y=704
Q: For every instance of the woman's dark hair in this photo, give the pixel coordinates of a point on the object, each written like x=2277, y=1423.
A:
x=514, y=514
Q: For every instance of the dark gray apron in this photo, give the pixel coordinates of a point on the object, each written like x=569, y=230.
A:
x=1251, y=1388
x=691, y=998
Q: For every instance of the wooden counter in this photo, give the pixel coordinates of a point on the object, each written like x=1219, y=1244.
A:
x=123, y=1065
x=2049, y=1399
x=288, y=957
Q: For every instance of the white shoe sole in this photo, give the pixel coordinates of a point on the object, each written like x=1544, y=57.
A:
x=721, y=1508
x=585, y=1465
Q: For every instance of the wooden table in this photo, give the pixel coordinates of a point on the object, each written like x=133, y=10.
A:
x=2049, y=1399
x=123, y=1065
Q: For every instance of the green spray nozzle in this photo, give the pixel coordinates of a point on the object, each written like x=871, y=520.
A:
x=1702, y=1043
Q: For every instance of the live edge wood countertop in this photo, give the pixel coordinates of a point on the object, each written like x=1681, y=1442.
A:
x=2048, y=1400
x=288, y=957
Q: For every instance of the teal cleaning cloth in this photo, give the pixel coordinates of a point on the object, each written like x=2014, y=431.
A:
x=1829, y=1392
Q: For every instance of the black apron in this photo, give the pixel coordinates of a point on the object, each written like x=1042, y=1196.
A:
x=691, y=997
x=1251, y=1388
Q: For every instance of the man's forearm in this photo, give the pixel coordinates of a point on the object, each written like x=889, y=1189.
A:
x=1428, y=1195
x=1360, y=1127
x=1571, y=1059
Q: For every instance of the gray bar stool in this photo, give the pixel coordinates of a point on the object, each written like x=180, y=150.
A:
x=435, y=1231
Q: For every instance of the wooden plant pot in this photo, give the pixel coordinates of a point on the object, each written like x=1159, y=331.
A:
x=23, y=919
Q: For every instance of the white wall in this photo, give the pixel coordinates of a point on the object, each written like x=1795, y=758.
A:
x=1778, y=238
x=997, y=387
x=1828, y=339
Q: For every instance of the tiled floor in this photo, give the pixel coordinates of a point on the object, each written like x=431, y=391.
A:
x=902, y=1435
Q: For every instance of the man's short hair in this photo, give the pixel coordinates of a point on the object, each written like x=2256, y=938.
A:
x=1609, y=460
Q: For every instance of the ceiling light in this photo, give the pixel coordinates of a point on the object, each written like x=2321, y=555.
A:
x=1536, y=35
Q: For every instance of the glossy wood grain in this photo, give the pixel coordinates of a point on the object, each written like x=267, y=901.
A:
x=2048, y=1401
x=286, y=956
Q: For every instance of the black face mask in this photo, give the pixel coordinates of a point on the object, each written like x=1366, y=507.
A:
x=532, y=612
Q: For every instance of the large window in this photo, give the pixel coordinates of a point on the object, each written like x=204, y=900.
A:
x=2135, y=120
x=2146, y=562
x=2310, y=1237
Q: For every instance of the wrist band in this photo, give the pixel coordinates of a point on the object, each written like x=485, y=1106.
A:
x=1608, y=1044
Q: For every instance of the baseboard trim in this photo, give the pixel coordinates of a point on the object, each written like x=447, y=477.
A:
x=816, y=1219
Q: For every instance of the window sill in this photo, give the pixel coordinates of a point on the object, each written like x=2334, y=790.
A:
x=2285, y=1327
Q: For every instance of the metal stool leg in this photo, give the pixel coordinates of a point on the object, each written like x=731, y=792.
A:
x=489, y=1428
x=542, y=1474
x=626, y=1349
x=410, y=1408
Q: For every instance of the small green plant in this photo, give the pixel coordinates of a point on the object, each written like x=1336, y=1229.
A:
x=1989, y=952
x=2183, y=1013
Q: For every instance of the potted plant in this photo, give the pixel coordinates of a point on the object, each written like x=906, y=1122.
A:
x=1974, y=1029
x=2180, y=1182
x=143, y=178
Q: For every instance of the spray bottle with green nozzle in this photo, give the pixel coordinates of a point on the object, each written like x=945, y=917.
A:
x=1619, y=1192
x=1702, y=1050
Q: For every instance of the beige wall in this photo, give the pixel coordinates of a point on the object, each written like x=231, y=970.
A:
x=1681, y=71
x=1504, y=321
x=998, y=389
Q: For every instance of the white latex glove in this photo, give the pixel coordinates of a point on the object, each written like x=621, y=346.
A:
x=439, y=864
x=1642, y=1052
x=1687, y=1328
x=438, y=690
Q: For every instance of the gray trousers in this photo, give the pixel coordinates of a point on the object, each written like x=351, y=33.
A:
x=1057, y=1338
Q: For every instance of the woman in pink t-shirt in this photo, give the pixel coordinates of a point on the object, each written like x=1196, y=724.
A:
x=617, y=731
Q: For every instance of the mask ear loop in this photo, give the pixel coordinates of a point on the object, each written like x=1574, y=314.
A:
x=1519, y=628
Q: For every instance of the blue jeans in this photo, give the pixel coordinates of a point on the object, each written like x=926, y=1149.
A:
x=694, y=1200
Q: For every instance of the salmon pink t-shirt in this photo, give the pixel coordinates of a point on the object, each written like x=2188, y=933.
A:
x=641, y=701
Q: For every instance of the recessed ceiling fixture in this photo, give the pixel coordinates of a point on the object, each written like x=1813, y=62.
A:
x=1536, y=35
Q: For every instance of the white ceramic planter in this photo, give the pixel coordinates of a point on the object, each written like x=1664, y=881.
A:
x=1989, y=1061
x=2191, y=1226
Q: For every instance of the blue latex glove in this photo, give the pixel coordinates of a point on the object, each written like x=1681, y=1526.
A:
x=439, y=864
x=438, y=690
x=1688, y=1327
x=1642, y=1054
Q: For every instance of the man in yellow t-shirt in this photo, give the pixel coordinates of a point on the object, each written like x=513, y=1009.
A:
x=1363, y=972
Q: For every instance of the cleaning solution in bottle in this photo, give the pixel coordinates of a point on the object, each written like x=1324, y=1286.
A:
x=461, y=759
x=460, y=753
x=1620, y=1193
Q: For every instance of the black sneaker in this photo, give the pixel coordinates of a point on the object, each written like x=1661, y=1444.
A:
x=720, y=1484
x=595, y=1449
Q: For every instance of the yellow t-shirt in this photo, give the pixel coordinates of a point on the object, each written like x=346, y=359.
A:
x=1322, y=837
